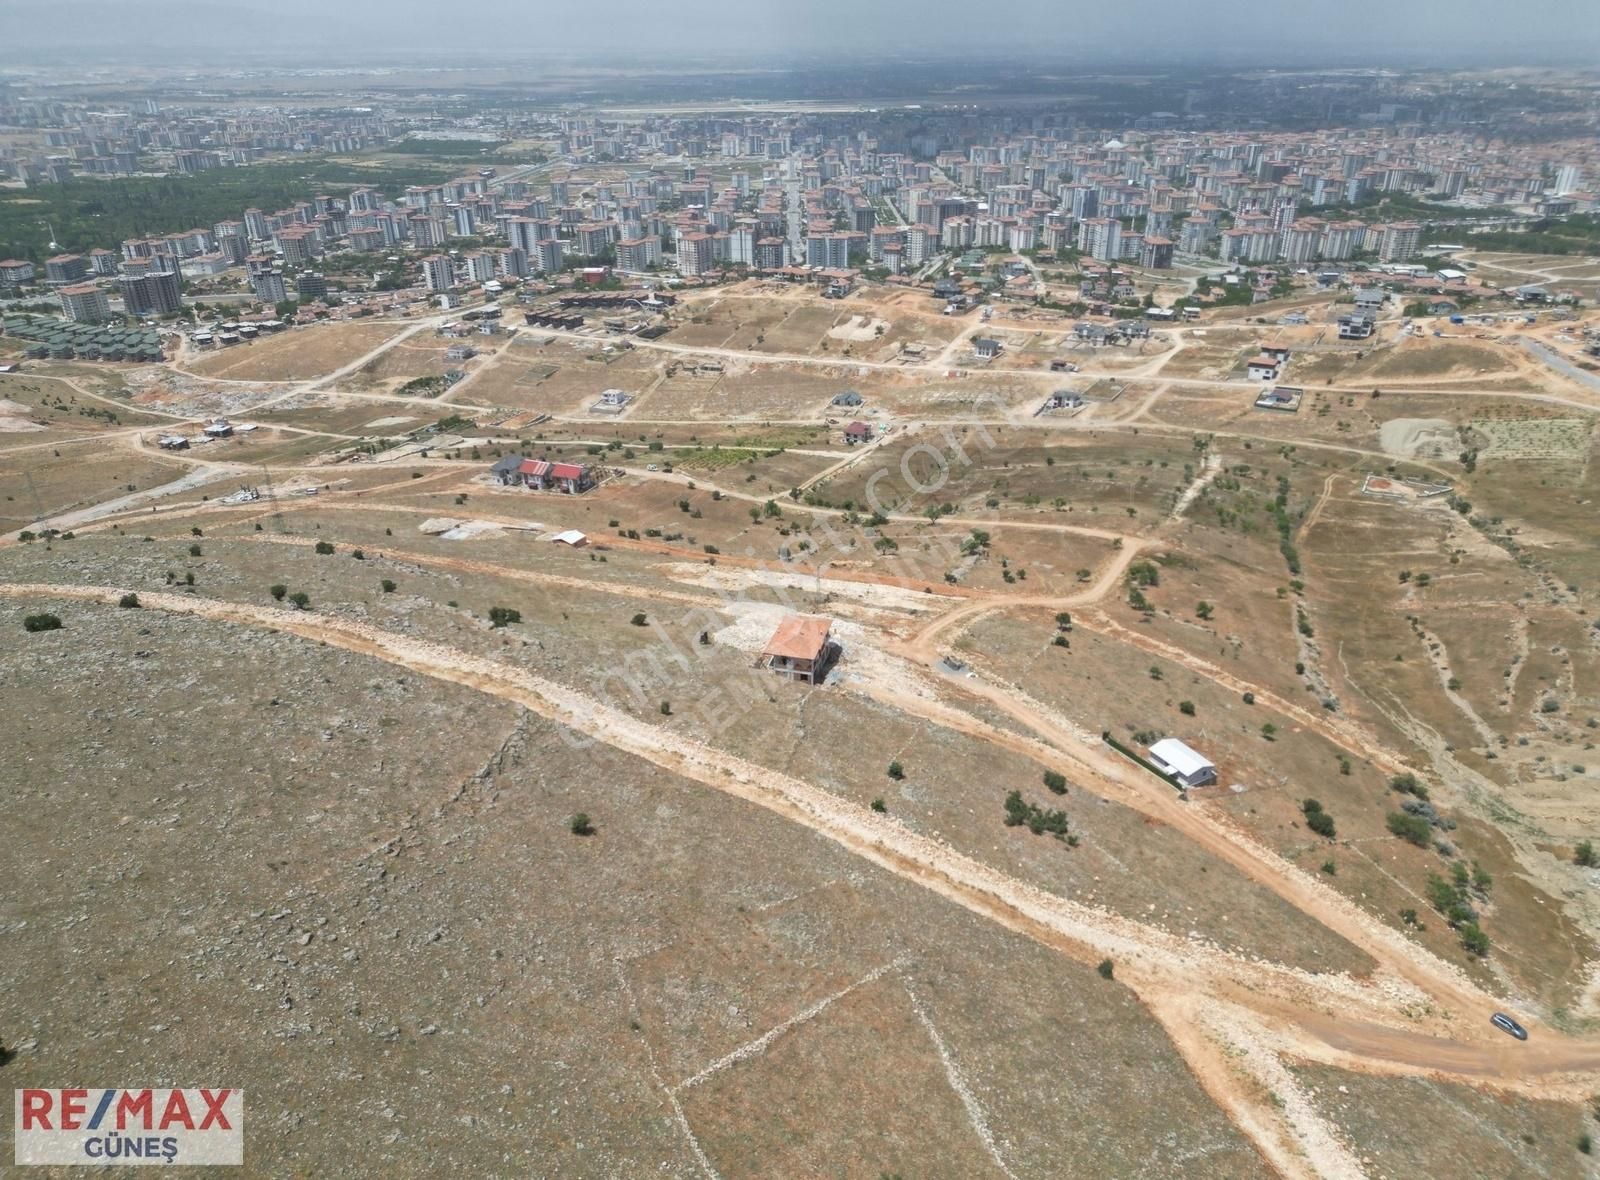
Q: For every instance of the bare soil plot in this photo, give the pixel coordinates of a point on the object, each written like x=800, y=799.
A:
x=1412, y=1127
x=1098, y=476
x=41, y=409
x=301, y=936
x=747, y=392
x=954, y=393
x=712, y=323
x=1211, y=361
x=295, y=354
x=35, y=482
x=1426, y=357
x=733, y=468
x=421, y=355
x=560, y=378
x=955, y=788
x=791, y=326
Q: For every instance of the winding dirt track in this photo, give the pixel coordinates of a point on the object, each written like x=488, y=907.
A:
x=1327, y=1018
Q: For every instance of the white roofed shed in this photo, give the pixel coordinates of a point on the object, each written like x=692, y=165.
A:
x=1177, y=759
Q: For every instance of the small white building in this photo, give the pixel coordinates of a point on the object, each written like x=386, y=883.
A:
x=1263, y=368
x=1189, y=768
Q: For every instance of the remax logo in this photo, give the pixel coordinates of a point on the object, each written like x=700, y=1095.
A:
x=159, y=1127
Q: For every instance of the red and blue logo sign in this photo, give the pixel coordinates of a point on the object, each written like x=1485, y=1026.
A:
x=150, y=1126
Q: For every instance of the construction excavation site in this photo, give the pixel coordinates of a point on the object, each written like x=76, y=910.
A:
x=825, y=759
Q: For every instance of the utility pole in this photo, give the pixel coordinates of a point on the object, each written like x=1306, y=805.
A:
x=272, y=494
x=38, y=508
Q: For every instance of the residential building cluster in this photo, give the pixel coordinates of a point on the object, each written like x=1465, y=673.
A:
x=77, y=139
x=830, y=196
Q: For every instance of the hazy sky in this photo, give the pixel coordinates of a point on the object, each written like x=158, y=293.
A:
x=1260, y=32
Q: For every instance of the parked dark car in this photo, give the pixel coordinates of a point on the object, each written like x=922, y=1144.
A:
x=1505, y=1024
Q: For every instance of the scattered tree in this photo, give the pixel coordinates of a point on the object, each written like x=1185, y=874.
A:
x=1318, y=820
x=129, y=602
x=1412, y=828
x=1407, y=784
x=500, y=616
x=879, y=806
x=1106, y=969
x=300, y=599
x=639, y=619
x=1473, y=940
x=1056, y=781
x=388, y=585
x=41, y=623
x=278, y=591
x=324, y=547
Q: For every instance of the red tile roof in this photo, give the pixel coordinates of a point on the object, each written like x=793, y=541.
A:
x=799, y=637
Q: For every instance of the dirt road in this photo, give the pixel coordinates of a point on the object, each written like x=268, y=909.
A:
x=1231, y=1017
x=1283, y=995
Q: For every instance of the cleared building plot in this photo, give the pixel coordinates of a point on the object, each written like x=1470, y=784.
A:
x=296, y=354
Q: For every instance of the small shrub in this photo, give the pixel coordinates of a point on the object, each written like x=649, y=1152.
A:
x=1585, y=856
x=1318, y=820
x=1269, y=731
x=41, y=623
x=896, y=771
x=324, y=547
x=1186, y=708
x=1106, y=969
x=358, y=555
x=194, y=551
x=1056, y=781
x=1412, y=828
x=129, y=602
x=1249, y=698
x=639, y=620
x=1407, y=784
x=500, y=616
x=579, y=825
x=388, y=586
x=879, y=806
x=300, y=599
